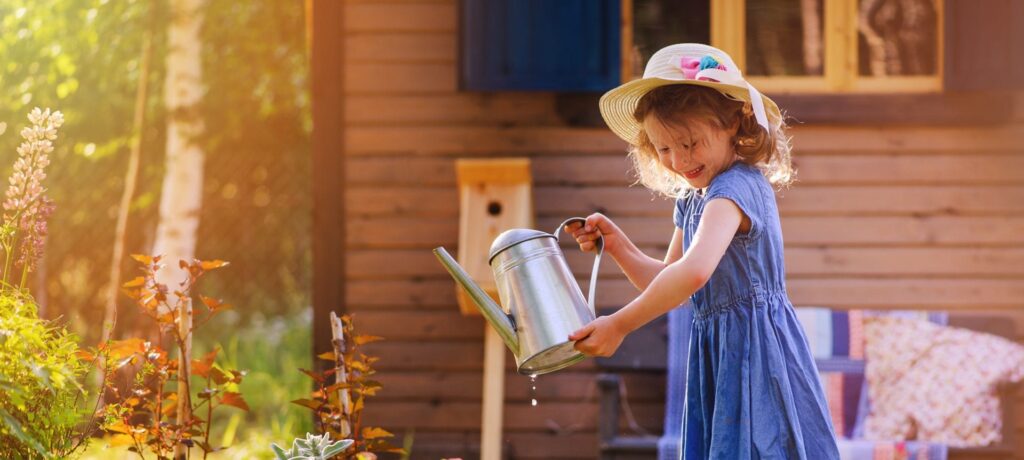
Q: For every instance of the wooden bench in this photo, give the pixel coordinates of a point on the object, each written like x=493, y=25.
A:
x=652, y=348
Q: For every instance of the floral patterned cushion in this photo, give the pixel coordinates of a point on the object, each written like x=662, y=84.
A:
x=936, y=383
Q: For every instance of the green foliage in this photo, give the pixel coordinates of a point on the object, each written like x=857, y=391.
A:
x=39, y=368
x=313, y=447
x=338, y=403
x=257, y=188
x=84, y=57
x=147, y=417
x=39, y=392
x=269, y=381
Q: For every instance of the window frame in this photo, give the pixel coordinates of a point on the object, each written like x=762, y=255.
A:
x=840, y=52
x=840, y=56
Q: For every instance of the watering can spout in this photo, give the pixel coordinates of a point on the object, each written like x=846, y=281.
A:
x=490, y=309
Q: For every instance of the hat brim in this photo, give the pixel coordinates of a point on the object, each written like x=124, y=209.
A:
x=618, y=105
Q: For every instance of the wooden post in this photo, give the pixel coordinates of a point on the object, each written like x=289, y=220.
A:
x=494, y=196
x=328, y=145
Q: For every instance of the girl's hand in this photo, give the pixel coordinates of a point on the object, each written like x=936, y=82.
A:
x=597, y=225
x=601, y=337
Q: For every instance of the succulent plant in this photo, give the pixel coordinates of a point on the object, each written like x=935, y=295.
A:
x=312, y=448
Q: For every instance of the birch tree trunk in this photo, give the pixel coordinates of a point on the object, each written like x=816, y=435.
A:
x=181, y=196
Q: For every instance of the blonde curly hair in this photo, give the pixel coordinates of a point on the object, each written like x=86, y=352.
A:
x=690, y=103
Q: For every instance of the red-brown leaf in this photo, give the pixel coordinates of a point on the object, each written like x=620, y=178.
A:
x=315, y=405
x=214, y=304
x=168, y=318
x=358, y=366
x=212, y=264
x=119, y=349
x=138, y=281
x=375, y=432
x=338, y=386
x=220, y=375
x=317, y=377
x=118, y=427
x=143, y=258
x=201, y=367
x=362, y=339
x=234, y=399
x=85, y=355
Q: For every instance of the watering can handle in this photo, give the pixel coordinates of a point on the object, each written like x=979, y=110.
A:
x=597, y=259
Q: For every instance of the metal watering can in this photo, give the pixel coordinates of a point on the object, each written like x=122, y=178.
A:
x=543, y=303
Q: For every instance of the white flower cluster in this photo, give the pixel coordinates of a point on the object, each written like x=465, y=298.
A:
x=33, y=157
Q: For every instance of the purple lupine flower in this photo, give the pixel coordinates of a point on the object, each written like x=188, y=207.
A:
x=34, y=230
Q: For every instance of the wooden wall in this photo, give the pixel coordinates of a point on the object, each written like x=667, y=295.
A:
x=882, y=217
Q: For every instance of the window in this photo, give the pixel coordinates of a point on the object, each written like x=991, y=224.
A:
x=858, y=52
x=800, y=46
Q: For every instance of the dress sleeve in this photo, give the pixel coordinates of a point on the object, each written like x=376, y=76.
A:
x=678, y=215
x=743, y=187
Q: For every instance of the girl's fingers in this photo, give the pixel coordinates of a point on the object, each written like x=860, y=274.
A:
x=586, y=240
x=582, y=347
x=582, y=332
x=588, y=348
x=594, y=221
x=573, y=227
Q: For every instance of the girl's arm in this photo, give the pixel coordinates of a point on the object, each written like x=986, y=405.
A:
x=672, y=286
x=639, y=268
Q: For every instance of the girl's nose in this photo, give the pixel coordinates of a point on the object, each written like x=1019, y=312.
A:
x=678, y=159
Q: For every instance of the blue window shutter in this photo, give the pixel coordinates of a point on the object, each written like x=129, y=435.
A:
x=540, y=45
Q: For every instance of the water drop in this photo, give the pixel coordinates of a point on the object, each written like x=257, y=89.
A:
x=533, y=390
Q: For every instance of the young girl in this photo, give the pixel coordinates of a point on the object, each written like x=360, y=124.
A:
x=699, y=132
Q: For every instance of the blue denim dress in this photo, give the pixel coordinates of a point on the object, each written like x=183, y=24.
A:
x=753, y=389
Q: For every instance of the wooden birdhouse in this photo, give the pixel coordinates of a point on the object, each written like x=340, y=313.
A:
x=494, y=196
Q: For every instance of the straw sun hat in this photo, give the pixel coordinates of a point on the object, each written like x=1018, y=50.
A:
x=684, y=64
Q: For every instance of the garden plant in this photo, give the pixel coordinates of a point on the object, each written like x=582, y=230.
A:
x=39, y=368
x=341, y=392
x=146, y=414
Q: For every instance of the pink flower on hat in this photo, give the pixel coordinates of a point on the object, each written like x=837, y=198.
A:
x=691, y=66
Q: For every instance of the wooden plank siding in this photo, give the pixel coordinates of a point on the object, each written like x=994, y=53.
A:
x=881, y=217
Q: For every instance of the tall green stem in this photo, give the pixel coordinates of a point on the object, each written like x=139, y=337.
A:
x=9, y=239
x=7, y=262
x=24, y=275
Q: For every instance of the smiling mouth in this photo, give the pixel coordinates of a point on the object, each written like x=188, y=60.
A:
x=693, y=173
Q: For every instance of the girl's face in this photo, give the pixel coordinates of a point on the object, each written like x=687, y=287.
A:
x=696, y=151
